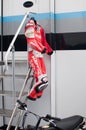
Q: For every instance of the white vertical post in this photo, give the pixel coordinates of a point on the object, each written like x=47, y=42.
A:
x=53, y=85
x=52, y=10
x=13, y=73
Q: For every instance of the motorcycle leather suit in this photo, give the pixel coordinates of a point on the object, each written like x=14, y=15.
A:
x=38, y=45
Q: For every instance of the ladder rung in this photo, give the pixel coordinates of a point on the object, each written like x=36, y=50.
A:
x=6, y=112
x=11, y=93
x=16, y=75
x=17, y=61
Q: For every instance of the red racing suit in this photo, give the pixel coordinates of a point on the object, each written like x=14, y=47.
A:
x=38, y=45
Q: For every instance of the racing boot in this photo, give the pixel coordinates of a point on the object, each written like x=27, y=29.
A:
x=37, y=90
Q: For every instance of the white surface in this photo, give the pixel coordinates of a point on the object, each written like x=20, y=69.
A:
x=70, y=83
x=43, y=6
x=63, y=6
x=16, y=7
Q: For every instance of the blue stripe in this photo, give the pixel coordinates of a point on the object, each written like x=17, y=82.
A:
x=70, y=15
x=12, y=18
x=47, y=16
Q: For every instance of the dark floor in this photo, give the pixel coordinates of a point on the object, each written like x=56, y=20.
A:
x=5, y=126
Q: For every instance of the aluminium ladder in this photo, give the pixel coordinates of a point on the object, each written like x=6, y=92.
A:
x=28, y=76
x=5, y=62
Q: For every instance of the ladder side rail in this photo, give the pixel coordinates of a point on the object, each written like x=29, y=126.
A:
x=21, y=111
x=13, y=74
x=23, y=87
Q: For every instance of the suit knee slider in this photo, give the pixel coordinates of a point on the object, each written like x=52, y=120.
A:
x=43, y=84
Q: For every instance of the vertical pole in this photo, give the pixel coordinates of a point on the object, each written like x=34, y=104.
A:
x=53, y=96
x=1, y=29
x=13, y=74
x=2, y=54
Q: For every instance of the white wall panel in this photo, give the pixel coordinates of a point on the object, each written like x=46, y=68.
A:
x=12, y=7
x=63, y=6
x=70, y=83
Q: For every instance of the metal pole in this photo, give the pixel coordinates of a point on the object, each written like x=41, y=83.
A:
x=1, y=30
x=13, y=73
x=53, y=87
x=2, y=54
